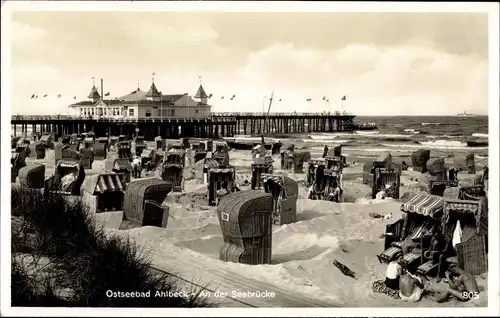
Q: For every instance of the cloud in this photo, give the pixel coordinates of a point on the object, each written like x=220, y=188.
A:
x=25, y=35
x=384, y=63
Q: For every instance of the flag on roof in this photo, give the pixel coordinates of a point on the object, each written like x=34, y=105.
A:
x=74, y=97
x=107, y=94
x=59, y=95
x=344, y=98
x=234, y=96
x=324, y=97
x=222, y=97
x=45, y=95
x=280, y=100
x=210, y=96
x=36, y=96
x=308, y=100
x=32, y=96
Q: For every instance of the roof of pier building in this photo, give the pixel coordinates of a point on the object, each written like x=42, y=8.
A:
x=94, y=94
x=139, y=98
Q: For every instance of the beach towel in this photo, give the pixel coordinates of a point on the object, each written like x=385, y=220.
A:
x=457, y=235
x=380, y=287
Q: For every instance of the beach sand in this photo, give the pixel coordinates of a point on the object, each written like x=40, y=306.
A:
x=302, y=271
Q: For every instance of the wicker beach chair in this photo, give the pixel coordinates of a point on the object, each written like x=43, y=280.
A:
x=23, y=148
x=101, y=148
x=315, y=172
x=285, y=192
x=144, y=202
x=146, y=157
x=37, y=150
x=124, y=150
x=471, y=252
x=419, y=160
x=13, y=142
x=87, y=157
x=246, y=223
x=423, y=212
x=139, y=145
x=219, y=178
x=384, y=176
x=202, y=167
x=160, y=143
x=103, y=192
x=276, y=148
x=65, y=167
x=48, y=141
x=32, y=176
x=259, y=167
x=119, y=166
x=17, y=161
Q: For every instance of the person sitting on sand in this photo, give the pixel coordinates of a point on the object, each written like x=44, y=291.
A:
x=411, y=287
x=334, y=196
x=382, y=194
x=460, y=287
x=394, y=271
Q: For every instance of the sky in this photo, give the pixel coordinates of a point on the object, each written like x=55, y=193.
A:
x=384, y=63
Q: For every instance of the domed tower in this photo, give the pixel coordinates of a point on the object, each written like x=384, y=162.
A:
x=153, y=93
x=94, y=95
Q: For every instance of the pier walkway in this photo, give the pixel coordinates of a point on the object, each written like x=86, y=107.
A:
x=217, y=125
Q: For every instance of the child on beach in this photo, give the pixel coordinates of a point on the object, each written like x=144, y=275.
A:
x=394, y=271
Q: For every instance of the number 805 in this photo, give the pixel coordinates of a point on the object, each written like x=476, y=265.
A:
x=470, y=295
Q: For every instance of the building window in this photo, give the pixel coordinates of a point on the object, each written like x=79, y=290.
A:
x=131, y=112
x=172, y=112
x=148, y=112
x=92, y=112
x=197, y=111
x=81, y=111
x=156, y=111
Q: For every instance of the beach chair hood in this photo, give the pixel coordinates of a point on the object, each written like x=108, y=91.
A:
x=422, y=203
x=478, y=208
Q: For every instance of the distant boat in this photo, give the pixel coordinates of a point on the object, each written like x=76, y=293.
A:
x=465, y=114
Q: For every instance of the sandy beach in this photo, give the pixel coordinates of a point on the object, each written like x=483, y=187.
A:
x=302, y=273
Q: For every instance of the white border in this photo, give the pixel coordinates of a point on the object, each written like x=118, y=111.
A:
x=232, y=6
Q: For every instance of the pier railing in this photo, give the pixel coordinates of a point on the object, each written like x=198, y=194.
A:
x=224, y=116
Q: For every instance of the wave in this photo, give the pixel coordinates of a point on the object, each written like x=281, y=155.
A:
x=367, y=132
x=436, y=144
x=323, y=137
x=444, y=143
x=413, y=131
x=322, y=141
x=480, y=135
x=426, y=124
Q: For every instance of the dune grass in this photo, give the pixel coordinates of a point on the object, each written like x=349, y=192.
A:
x=60, y=257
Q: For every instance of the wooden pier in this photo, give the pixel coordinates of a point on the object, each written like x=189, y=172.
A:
x=218, y=125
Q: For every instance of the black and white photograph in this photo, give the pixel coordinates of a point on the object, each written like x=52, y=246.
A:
x=200, y=158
